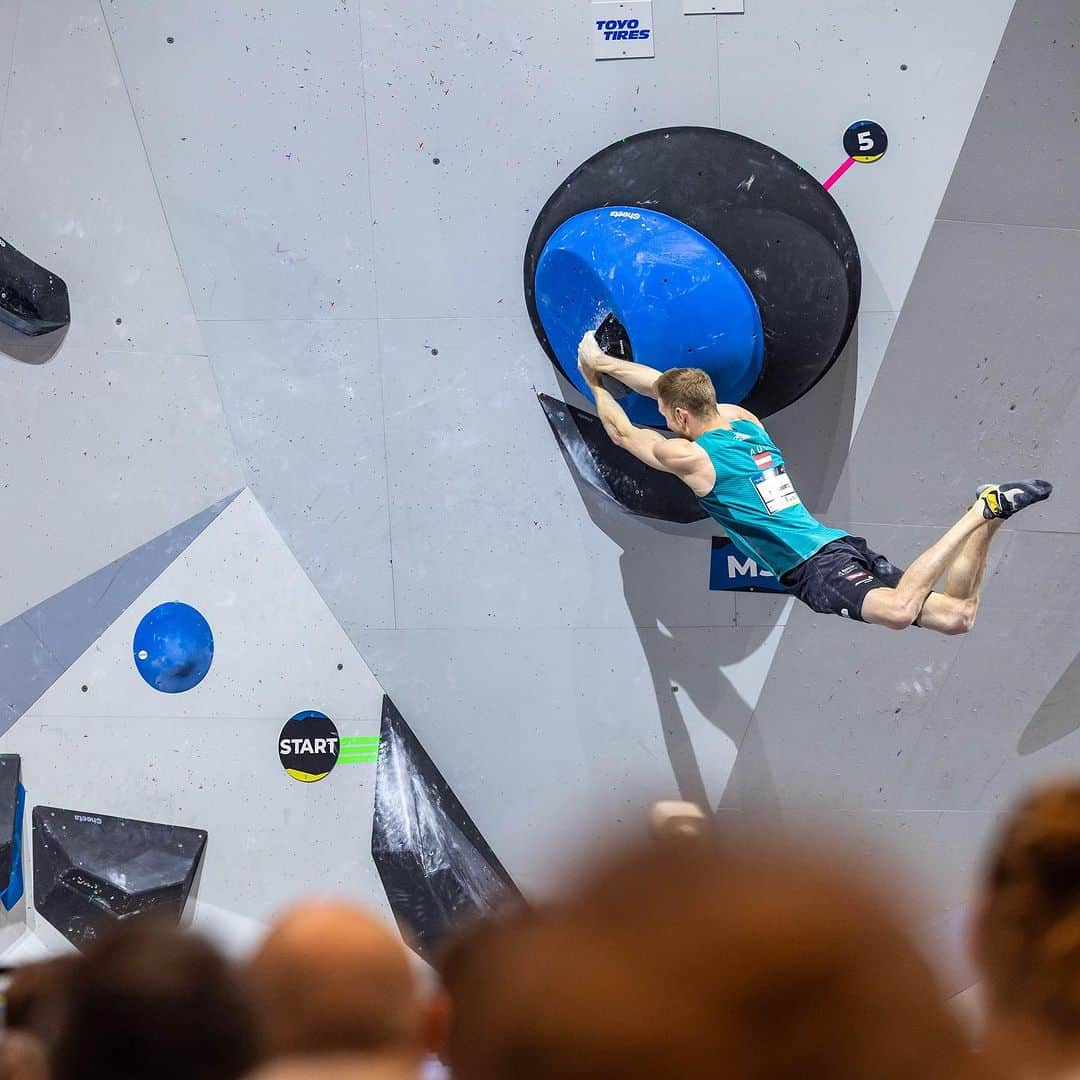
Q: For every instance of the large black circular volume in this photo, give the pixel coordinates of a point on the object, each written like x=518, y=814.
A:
x=782, y=230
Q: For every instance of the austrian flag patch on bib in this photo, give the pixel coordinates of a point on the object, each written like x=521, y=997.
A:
x=775, y=488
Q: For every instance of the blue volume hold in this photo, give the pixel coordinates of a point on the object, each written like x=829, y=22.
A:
x=174, y=647
x=678, y=296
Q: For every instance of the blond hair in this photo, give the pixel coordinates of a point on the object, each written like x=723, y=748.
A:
x=687, y=388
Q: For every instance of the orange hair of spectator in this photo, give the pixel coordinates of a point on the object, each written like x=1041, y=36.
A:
x=686, y=960
x=23, y=1057
x=1027, y=937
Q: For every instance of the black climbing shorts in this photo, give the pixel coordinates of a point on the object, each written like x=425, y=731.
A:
x=836, y=580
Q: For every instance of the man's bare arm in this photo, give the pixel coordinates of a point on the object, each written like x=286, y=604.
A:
x=636, y=376
x=640, y=442
x=676, y=456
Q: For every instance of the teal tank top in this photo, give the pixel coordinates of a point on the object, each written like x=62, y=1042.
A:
x=755, y=502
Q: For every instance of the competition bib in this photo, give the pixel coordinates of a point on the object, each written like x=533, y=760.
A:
x=776, y=489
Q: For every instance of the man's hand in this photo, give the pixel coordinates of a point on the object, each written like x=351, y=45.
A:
x=592, y=360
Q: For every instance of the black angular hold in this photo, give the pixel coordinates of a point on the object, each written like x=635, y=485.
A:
x=614, y=472
x=613, y=339
x=92, y=869
x=33, y=301
x=435, y=865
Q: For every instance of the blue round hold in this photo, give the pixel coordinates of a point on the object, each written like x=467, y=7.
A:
x=174, y=647
x=679, y=298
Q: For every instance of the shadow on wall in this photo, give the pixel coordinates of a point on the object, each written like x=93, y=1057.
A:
x=685, y=665
x=1057, y=716
x=815, y=433
x=654, y=587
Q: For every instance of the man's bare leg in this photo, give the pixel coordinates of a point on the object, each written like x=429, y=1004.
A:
x=953, y=610
x=899, y=607
x=965, y=577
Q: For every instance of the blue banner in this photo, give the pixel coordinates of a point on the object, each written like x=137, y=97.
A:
x=732, y=571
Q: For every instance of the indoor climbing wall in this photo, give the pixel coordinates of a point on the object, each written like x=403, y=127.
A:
x=299, y=396
x=934, y=737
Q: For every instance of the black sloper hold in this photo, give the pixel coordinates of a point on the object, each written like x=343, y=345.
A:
x=614, y=472
x=33, y=301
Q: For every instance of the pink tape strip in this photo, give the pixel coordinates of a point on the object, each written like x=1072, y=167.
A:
x=839, y=172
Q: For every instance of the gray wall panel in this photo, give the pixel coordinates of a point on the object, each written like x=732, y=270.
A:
x=9, y=15
x=37, y=646
x=845, y=705
x=489, y=526
x=1022, y=155
x=100, y=452
x=305, y=409
x=917, y=67
x=509, y=101
x=261, y=158
x=978, y=382
x=969, y=752
x=78, y=195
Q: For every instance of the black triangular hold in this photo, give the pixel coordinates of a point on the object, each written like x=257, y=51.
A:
x=614, y=472
x=435, y=865
x=33, y=301
x=92, y=869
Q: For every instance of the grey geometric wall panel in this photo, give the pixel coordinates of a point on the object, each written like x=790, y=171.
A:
x=1057, y=716
x=968, y=752
x=979, y=383
x=91, y=870
x=323, y=485
x=1022, y=155
x=614, y=473
x=288, y=204
x=434, y=863
x=39, y=645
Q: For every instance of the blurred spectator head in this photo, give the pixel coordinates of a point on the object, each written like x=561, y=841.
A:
x=22, y=1057
x=36, y=996
x=677, y=960
x=149, y=1000
x=329, y=978
x=1027, y=931
x=464, y=964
